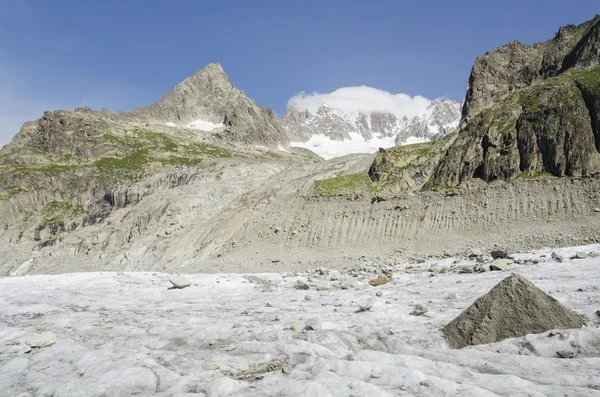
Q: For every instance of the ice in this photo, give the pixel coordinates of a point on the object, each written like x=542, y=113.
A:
x=121, y=334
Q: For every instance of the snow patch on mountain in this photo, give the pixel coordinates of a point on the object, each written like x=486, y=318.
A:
x=203, y=125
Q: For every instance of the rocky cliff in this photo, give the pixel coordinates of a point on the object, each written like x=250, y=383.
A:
x=530, y=110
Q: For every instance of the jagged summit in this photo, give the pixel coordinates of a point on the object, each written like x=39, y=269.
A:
x=209, y=101
x=439, y=119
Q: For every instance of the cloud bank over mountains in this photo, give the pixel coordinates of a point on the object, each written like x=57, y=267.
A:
x=362, y=99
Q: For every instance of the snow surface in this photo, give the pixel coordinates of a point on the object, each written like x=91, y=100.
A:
x=123, y=334
x=328, y=148
x=203, y=125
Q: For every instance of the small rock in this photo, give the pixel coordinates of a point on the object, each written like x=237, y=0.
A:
x=287, y=369
x=565, y=354
x=307, y=297
x=41, y=340
x=349, y=282
x=426, y=383
x=365, y=307
x=557, y=257
x=598, y=313
x=268, y=305
x=314, y=323
x=500, y=264
x=379, y=281
x=596, y=209
x=475, y=252
x=499, y=254
x=179, y=282
x=452, y=296
x=479, y=269
x=323, y=272
x=467, y=269
x=420, y=260
x=322, y=285
x=580, y=255
x=376, y=375
x=379, y=293
x=302, y=285
x=294, y=327
x=419, y=310
x=396, y=330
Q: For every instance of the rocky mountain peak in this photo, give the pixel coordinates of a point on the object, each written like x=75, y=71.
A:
x=209, y=101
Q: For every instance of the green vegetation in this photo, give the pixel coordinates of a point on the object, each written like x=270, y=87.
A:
x=344, y=185
x=59, y=211
x=528, y=176
x=589, y=78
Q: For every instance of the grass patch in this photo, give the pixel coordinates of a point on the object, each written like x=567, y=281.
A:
x=58, y=211
x=345, y=184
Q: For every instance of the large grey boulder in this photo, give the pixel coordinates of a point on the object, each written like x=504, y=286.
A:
x=513, y=308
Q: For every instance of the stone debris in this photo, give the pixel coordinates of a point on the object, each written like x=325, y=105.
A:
x=419, y=310
x=499, y=254
x=179, y=282
x=365, y=307
x=314, y=323
x=379, y=281
x=513, y=308
x=558, y=257
x=580, y=255
x=565, y=354
x=41, y=340
x=500, y=264
x=322, y=285
x=302, y=285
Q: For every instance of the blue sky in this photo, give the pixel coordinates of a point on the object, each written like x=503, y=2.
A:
x=122, y=53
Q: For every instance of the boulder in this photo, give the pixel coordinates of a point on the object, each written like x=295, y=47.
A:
x=179, y=282
x=513, y=308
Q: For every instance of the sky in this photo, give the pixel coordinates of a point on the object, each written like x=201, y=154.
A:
x=119, y=54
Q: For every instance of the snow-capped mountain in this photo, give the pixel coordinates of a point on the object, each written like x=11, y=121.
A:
x=331, y=132
x=441, y=117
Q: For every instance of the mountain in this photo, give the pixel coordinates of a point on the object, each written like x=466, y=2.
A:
x=440, y=118
x=331, y=132
x=209, y=101
x=531, y=110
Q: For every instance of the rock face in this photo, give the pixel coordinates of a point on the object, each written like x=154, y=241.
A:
x=514, y=307
x=209, y=97
x=530, y=110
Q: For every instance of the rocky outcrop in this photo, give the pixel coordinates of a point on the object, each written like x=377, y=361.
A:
x=210, y=96
x=529, y=111
x=498, y=73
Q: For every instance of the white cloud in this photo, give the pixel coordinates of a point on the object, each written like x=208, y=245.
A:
x=363, y=99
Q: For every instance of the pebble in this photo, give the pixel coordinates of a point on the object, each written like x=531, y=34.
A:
x=179, y=282
x=580, y=255
x=426, y=383
x=349, y=282
x=565, y=354
x=500, y=264
x=41, y=340
x=379, y=293
x=379, y=281
x=419, y=310
x=314, y=323
x=302, y=285
x=556, y=256
x=365, y=307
